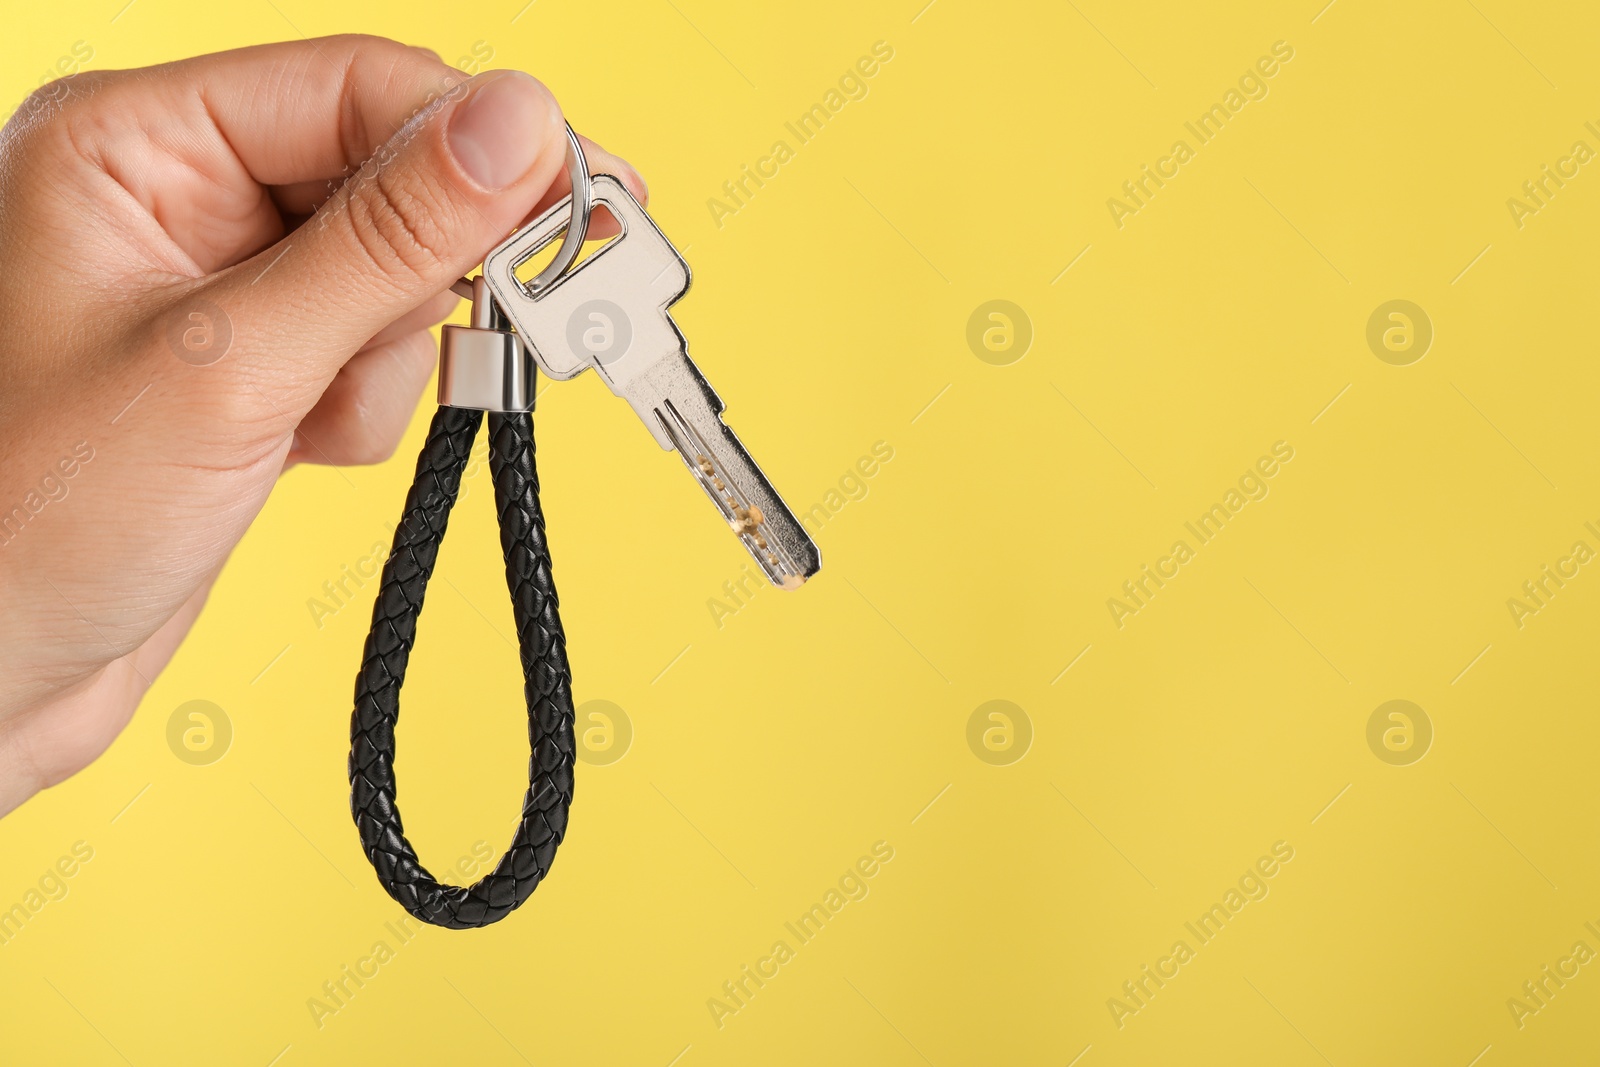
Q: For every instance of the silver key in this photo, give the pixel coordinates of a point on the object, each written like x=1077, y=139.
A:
x=611, y=312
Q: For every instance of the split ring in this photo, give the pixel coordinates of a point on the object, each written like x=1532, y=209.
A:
x=572, y=242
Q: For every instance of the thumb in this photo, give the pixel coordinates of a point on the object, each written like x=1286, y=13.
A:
x=427, y=207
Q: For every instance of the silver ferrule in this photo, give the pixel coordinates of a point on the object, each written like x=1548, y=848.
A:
x=485, y=366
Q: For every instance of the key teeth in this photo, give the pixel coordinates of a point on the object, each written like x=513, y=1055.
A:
x=772, y=551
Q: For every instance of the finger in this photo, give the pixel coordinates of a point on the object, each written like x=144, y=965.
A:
x=430, y=313
x=602, y=161
x=196, y=141
x=601, y=224
x=424, y=210
x=306, y=110
x=304, y=198
x=368, y=405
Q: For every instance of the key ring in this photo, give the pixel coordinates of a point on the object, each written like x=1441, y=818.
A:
x=577, y=227
x=578, y=172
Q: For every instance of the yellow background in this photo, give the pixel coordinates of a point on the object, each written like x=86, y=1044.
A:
x=770, y=753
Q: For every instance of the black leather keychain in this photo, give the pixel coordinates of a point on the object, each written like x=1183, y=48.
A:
x=560, y=322
x=548, y=687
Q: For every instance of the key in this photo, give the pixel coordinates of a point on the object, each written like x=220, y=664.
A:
x=611, y=313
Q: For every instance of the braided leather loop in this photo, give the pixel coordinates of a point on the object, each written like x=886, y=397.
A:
x=548, y=688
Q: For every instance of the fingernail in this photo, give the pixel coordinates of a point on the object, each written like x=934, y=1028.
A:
x=499, y=131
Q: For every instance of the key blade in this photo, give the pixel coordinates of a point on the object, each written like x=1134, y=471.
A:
x=689, y=412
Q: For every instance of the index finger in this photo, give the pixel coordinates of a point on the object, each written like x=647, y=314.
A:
x=302, y=111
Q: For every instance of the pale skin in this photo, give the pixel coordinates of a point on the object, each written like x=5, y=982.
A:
x=297, y=190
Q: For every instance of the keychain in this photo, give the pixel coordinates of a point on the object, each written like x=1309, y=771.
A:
x=489, y=368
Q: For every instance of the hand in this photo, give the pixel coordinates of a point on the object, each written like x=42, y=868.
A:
x=209, y=271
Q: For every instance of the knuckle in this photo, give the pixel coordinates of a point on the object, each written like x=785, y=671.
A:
x=47, y=99
x=243, y=422
x=77, y=89
x=368, y=64
x=356, y=441
x=238, y=408
x=61, y=99
x=400, y=225
x=356, y=44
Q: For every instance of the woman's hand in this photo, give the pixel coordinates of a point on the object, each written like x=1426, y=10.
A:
x=210, y=270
